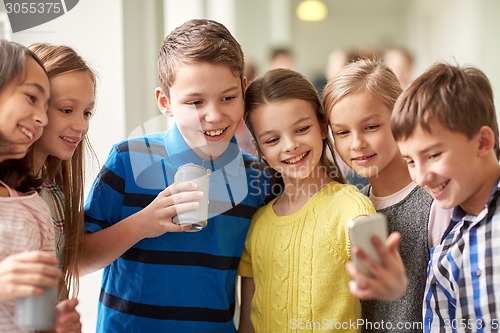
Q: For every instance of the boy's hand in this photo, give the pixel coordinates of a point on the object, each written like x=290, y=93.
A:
x=27, y=274
x=67, y=318
x=175, y=199
x=385, y=281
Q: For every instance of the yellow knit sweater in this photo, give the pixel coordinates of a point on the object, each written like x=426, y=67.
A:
x=298, y=264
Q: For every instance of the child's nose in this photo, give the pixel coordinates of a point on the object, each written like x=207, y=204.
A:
x=40, y=117
x=291, y=145
x=422, y=177
x=80, y=124
x=358, y=142
x=213, y=114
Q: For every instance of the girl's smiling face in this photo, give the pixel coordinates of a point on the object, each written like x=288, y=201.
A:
x=70, y=111
x=362, y=133
x=289, y=137
x=23, y=109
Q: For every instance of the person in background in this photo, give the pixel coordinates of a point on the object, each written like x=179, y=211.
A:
x=400, y=61
x=250, y=70
x=281, y=57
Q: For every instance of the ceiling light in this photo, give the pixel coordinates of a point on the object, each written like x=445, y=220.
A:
x=312, y=10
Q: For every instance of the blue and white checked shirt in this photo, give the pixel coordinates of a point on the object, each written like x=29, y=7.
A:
x=463, y=276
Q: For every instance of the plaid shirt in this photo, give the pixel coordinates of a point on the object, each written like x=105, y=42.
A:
x=463, y=276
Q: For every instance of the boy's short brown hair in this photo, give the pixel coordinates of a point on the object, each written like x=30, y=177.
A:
x=198, y=40
x=460, y=98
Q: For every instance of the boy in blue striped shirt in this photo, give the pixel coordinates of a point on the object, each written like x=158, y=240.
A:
x=157, y=277
x=446, y=127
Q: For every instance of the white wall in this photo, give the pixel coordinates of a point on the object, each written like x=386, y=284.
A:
x=143, y=29
x=94, y=29
x=457, y=31
x=446, y=30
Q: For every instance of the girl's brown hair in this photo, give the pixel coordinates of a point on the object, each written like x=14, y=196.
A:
x=67, y=175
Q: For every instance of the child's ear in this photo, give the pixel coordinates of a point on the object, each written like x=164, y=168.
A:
x=486, y=141
x=324, y=131
x=162, y=102
x=258, y=152
x=244, y=84
x=256, y=147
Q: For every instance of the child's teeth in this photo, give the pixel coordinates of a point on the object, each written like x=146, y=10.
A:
x=68, y=139
x=214, y=133
x=439, y=187
x=295, y=160
x=27, y=133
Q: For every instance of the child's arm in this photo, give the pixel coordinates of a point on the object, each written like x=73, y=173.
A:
x=26, y=274
x=385, y=281
x=247, y=291
x=103, y=247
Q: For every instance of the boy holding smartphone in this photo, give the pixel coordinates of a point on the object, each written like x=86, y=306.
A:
x=446, y=127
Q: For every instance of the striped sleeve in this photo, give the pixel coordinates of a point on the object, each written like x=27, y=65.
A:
x=106, y=197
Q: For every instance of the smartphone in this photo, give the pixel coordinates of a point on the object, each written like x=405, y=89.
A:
x=361, y=231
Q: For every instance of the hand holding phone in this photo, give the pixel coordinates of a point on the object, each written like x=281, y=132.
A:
x=361, y=231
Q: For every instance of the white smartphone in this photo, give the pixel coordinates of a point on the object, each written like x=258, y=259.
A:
x=361, y=231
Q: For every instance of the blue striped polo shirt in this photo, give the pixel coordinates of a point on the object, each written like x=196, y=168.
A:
x=177, y=282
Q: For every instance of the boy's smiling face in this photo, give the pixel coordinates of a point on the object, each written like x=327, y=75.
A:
x=447, y=165
x=206, y=101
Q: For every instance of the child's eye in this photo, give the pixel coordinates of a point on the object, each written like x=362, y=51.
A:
x=194, y=103
x=341, y=133
x=372, y=127
x=32, y=98
x=66, y=111
x=271, y=141
x=409, y=162
x=228, y=98
x=303, y=129
x=434, y=156
x=88, y=114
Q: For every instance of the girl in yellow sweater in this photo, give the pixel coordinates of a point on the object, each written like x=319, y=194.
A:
x=293, y=266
